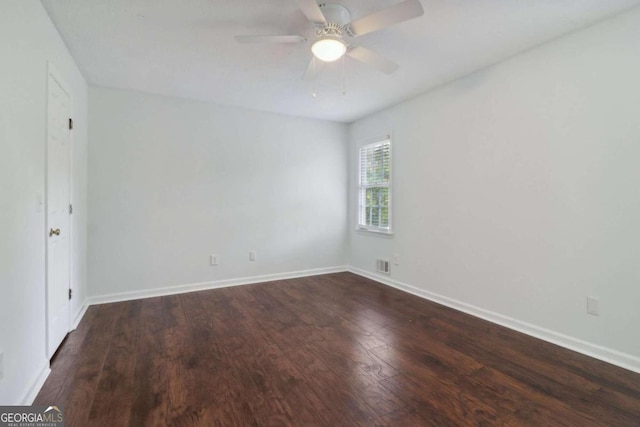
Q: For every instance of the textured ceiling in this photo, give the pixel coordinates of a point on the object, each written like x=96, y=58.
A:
x=186, y=48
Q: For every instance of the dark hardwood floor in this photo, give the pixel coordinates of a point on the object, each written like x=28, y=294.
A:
x=333, y=350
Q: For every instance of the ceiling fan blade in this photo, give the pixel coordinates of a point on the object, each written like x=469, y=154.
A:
x=270, y=39
x=312, y=11
x=372, y=59
x=400, y=12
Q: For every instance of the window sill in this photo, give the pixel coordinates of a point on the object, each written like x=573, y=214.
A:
x=367, y=231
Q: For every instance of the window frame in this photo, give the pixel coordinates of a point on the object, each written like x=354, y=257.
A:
x=362, y=189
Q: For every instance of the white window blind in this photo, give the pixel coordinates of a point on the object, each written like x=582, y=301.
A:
x=375, y=187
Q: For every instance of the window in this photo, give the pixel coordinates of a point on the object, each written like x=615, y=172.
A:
x=375, y=188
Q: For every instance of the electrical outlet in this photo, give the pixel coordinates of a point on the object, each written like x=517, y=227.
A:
x=1, y=365
x=593, y=306
x=396, y=259
x=252, y=256
x=213, y=259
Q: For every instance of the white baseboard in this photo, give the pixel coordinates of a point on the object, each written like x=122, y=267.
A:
x=193, y=287
x=614, y=357
x=45, y=370
x=79, y=315
x=33, y=391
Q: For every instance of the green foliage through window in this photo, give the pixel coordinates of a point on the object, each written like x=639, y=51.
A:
x=375, y=193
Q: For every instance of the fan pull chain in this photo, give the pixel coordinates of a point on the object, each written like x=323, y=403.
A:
x=344, y=84
x=315, y=75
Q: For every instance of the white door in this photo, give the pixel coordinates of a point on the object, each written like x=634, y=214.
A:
x=58, y=227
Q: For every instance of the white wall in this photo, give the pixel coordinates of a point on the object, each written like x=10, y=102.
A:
x=173, y=181
x=516, y=191
x=28, y=40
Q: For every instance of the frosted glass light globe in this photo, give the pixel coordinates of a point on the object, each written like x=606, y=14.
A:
x=328, y=49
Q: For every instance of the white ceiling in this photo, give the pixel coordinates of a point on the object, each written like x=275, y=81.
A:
x=186, y=48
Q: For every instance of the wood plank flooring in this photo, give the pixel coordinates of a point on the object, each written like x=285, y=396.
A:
x=332, y=350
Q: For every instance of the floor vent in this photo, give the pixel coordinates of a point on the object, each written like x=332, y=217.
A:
x=382, y=266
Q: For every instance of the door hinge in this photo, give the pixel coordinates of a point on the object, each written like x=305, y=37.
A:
x=70, y=293
x=70, y=209
x=70, y=123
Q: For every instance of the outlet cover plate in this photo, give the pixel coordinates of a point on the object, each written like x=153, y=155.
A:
x=593, y=306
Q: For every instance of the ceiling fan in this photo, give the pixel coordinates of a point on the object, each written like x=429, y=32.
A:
x=333, y=27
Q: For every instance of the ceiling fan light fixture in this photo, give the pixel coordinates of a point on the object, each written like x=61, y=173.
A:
x=328, y=49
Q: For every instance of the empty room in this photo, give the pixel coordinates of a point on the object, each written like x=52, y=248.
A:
x=291, y=212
